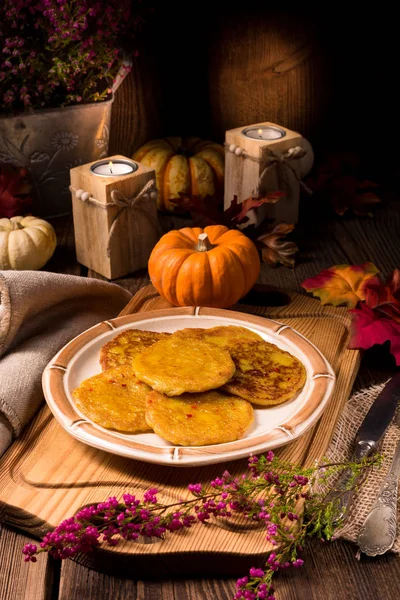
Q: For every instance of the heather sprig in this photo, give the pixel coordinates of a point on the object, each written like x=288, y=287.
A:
x=59, y=52
x=281, y=496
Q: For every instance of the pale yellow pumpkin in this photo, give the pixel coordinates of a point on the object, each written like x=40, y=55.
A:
x=190, y=166
x=26, y=243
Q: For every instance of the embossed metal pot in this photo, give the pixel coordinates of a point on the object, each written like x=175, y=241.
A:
x=48, y=143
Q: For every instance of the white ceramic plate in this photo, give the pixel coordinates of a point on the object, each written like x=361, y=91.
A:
x=272, y=427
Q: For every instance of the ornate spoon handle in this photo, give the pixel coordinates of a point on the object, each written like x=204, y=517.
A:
x=378, y=533
x=344, y=501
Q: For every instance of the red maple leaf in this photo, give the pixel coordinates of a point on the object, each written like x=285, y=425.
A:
x=338, y=179
x=375, y=304
x=384, y=298
x=342, y=284
x=370, y=328
x=14, y=190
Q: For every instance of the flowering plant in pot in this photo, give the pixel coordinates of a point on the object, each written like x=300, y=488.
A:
x=60, y=62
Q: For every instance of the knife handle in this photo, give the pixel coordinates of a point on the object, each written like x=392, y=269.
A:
x=362, y=449
x=378, y=532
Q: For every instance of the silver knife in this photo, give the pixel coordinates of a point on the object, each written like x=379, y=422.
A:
x=368, y=436
x=378, y=533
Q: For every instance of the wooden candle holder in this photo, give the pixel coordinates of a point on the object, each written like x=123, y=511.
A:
x=254, y=167
x=115, y=218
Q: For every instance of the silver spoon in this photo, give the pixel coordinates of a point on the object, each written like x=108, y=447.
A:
x=378, y=532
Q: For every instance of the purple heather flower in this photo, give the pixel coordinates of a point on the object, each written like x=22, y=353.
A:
x=298, y=563
x=150, y=496
x=195, y=488
x=300, y=479
x=217, y=482
x=30, y=550
x=256, y=572
x=175, y=525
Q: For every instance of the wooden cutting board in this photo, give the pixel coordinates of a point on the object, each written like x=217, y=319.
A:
x=47, y=475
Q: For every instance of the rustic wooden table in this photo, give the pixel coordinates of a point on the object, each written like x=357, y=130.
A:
x=331, y=571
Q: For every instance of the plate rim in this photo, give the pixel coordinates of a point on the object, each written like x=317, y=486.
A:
x=323, y=382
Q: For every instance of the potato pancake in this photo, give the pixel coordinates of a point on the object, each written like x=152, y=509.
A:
x=199, y=419
x=223, y=336
x=176, y=365
x=114, y=399
x=121, y=349
x=265, y=374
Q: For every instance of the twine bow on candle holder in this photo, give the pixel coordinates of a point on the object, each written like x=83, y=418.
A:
x=272, y=158
x=137, y=203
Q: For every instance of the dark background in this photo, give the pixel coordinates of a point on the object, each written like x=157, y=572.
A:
x=329, y=72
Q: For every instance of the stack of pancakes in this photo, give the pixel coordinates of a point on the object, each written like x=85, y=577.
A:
x=194, y=387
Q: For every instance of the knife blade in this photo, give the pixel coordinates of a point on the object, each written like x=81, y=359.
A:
x=368, y=436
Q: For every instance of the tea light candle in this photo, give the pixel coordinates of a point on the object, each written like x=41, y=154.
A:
x=264, y=132
x=114, y=236
x=249, y=150
x=108, y=168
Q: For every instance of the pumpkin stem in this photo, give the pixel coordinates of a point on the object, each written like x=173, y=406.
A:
x=204, y=244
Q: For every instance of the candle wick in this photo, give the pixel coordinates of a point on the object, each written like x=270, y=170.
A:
x=111, y=170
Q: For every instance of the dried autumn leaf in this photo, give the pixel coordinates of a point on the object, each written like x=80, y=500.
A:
x=234, y=209
x=370, y=328
x=350, y=193
x=385, y=297
x=198, y=207
x=333, y=165
x=337, y=178
x=274, y=249
x=364, y=202
x=185, y=202
x=249, y=203
x=207, y=208
x=342, y=284
x=13, y=191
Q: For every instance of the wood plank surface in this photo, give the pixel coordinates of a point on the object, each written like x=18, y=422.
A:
x=331, y=570
x=20, y=580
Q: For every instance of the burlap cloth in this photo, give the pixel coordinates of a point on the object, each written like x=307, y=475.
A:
x=340, y=449
x=39, y=313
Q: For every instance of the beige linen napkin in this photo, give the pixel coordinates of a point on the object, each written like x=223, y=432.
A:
x=39, y=313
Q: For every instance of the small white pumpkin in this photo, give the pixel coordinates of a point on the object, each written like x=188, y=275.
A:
x=26, y=243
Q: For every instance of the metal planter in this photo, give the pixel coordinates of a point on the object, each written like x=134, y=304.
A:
x=48, y=143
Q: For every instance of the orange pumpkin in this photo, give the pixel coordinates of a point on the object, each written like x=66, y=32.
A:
x=192, y=166
x=215, y=266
